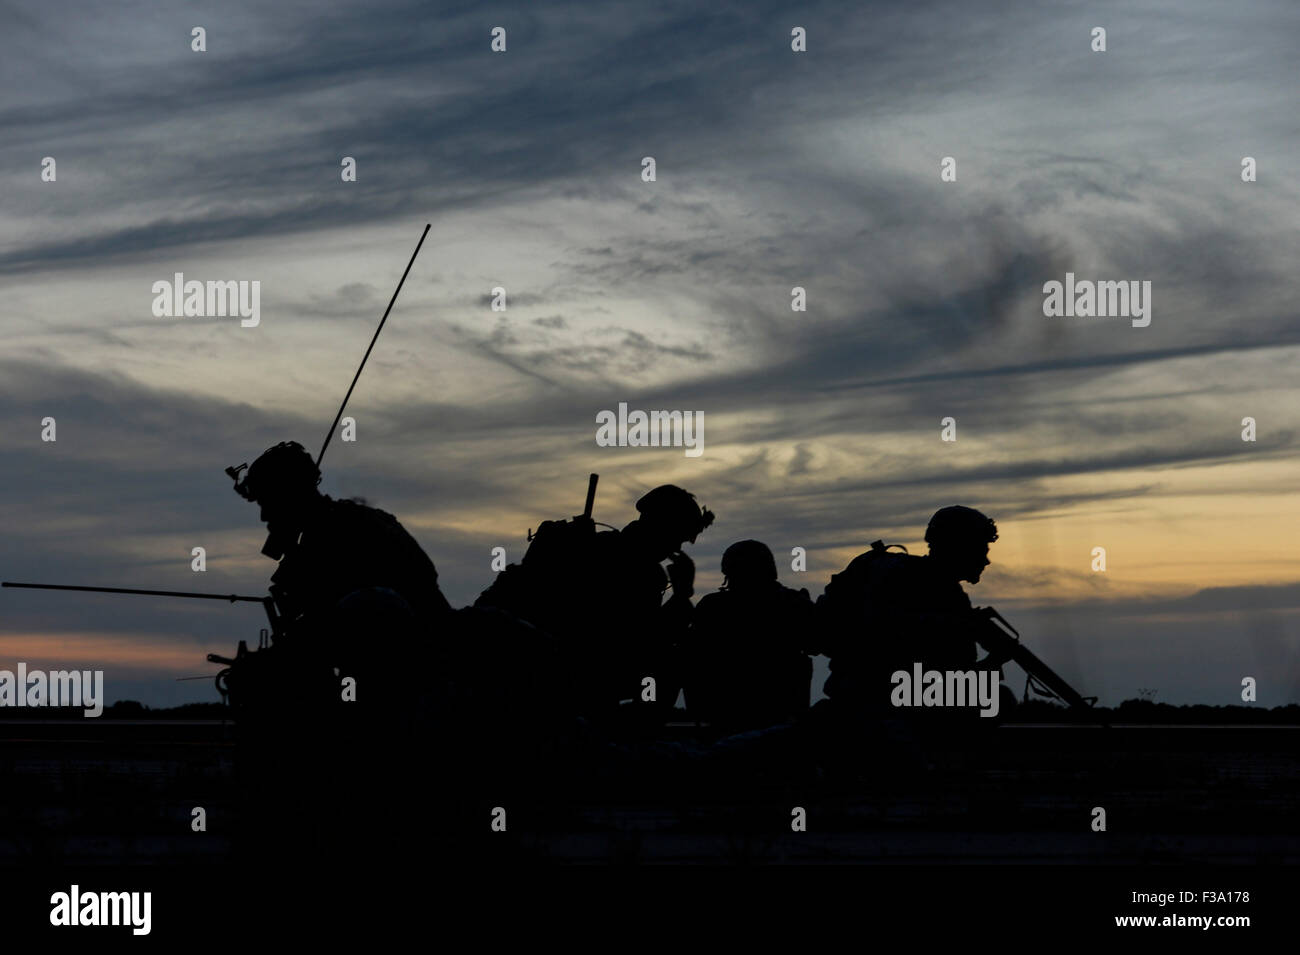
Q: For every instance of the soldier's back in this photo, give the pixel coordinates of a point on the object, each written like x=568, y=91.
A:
x=747, y=655
x=890, y=611
x=352, y=547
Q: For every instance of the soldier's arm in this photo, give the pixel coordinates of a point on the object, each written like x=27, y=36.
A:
x=1001, y=646
x=676, y=612
x=677, y=609
x=947, y=634
x=802, y=618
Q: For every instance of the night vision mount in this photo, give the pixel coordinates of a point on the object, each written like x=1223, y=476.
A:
x=241, y=487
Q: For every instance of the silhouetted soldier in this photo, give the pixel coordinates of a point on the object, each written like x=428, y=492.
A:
x=887, y=611
x=335, y=551
x=361, y=602
x=746, y=656
x=601, y=595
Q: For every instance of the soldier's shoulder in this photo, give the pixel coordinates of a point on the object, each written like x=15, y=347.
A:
x=715, y=601
x=884, y=565
x=790, y=595
x=914, y=571
x=351, y=507
x=608, y=541
x=347, y=515
x=912, y=565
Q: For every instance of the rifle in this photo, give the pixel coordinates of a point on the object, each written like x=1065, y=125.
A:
x=1002, y=641
x=222, y=679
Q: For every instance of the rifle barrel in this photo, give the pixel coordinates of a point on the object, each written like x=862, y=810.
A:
x=1030, y=662
x=128, y=590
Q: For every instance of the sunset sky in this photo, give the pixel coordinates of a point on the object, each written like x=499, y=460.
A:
x=774, y=169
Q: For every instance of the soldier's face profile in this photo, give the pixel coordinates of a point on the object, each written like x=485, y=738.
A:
x=966, y=561
x=666, y=540
x=974, y=563
x=274, y=506
x=666, y=546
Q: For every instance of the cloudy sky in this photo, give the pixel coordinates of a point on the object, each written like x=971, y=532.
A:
x=775, y=169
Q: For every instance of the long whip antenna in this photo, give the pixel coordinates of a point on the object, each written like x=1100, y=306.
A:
x=329, y=434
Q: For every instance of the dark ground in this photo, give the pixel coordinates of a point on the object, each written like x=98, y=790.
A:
x=121, y=792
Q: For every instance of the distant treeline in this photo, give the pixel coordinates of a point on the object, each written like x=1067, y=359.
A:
x=121, y=710
x=1034, y=711
x=1148, y=711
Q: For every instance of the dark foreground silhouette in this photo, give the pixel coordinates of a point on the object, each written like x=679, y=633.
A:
x=539, y=723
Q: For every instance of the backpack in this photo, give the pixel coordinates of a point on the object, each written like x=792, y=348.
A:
x=555, y=552
x=842, y=609
x=526, y=589
x=560, y=543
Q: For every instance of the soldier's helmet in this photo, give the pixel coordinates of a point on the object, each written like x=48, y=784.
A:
x=284, y=470
x=672, y=508
x=960, y=526
x=748, y=562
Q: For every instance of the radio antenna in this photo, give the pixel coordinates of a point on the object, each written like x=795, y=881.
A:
x=329, y=434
